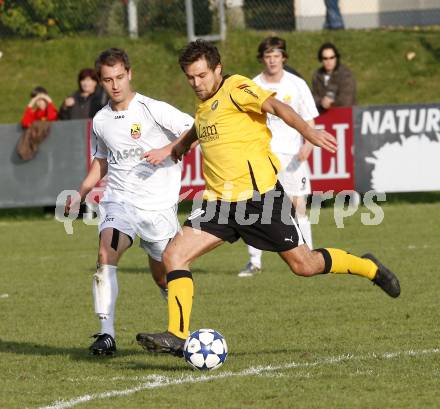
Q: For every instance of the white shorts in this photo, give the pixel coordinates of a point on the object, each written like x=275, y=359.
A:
x=155, y=228
x=294, y=175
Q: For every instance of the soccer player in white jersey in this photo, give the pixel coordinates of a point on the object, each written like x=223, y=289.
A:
x=286, y=143
x=135, y=135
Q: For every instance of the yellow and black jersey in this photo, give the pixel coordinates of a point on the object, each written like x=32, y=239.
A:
x=235, y=141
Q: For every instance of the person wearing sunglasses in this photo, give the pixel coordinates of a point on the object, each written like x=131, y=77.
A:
x=333, y=84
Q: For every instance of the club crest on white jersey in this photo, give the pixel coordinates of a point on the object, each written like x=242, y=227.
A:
x=135, y=131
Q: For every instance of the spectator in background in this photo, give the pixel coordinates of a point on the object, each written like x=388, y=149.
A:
x=87, y=100
x=333, y=17
x=36, y=123
x=333, y=84
x=39, y=108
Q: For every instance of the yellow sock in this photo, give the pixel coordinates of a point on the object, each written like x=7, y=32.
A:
x=345, y=263
x=180, y=296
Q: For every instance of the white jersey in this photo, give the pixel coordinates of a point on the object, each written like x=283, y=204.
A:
x=291, y=90
x=124, y=136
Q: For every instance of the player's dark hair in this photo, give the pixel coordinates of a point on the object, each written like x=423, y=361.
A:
x=87, y=73
x=38, y=90
x=197, y=50
x=269, y=44
x=329, y=46
x=111, y=57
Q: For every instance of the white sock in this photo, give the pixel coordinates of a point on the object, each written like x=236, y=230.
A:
x=255, y=256
x=105, y=293
x=306, y=230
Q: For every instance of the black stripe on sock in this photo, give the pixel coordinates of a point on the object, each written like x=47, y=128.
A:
x=175, y=274
x=327, y=260
x=181, y=314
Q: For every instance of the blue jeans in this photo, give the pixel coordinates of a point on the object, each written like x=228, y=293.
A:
x=333, y=18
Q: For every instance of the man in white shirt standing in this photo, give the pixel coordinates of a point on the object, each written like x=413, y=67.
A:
x=289, y=146
x=135, y=135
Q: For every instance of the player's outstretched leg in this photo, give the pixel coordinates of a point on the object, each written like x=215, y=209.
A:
x=340, y=262
x=384, y=277
x=304, y=262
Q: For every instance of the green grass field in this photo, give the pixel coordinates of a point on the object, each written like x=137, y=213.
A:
x=324, y=342
x=377, y=58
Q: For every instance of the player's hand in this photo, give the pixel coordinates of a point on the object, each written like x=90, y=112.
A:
x=71, y=204
x=178, y=151
x=157, y=156
x=322, y=139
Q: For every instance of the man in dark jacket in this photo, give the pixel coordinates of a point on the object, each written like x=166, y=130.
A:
x=333, y=84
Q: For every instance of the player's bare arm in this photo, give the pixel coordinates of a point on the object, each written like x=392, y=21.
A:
x=184, y=144
x=316, y=137
x=98, y=169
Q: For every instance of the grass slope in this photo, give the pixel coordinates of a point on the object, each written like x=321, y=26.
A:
x=335, y=328
x=377, y=58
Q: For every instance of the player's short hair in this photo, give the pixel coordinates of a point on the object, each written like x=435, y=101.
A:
x=197, y=50
x=329, y=46
x=111, y=57
x=270, y=44
x=38, y=90
x=87, y=73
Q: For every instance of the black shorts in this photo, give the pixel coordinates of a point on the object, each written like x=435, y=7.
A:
x=264, y=221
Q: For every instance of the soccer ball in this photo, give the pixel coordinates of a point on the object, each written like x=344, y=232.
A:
x=205, y=349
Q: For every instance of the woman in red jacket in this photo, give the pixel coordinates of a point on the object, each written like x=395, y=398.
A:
x=40, y=108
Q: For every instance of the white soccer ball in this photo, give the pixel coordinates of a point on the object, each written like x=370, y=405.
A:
x=205, y=349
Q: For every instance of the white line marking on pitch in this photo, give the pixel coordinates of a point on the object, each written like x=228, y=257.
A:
x=159, y=381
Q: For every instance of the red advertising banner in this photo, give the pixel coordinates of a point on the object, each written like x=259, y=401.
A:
x=334, y=171
x=192, y=174
x=328, y=171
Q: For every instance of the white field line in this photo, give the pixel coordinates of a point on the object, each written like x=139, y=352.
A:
x=159, y=381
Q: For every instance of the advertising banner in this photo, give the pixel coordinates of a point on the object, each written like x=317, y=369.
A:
x=59, y=163
x=397, y=148
x=334, y=171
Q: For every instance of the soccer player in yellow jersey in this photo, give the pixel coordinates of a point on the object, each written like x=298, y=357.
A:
x=242, y=198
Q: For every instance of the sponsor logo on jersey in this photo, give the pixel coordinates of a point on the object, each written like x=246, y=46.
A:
x=243, y=86
x=250, y=92
x=207, y=133
x=133, y=153
x=135, y=131
x=119, y=116
x=214, y=105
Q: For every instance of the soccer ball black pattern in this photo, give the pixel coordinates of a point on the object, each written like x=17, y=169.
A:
x=205, y=349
